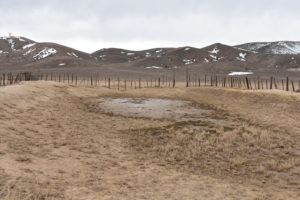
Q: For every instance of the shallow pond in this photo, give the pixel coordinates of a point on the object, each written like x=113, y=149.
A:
x=177, y=110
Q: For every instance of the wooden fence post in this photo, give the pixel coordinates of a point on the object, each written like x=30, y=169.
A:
x=158, y=81
x=287, y=83
x=271, y=83
x=139, y=83
x=174, y=82
x=187, y=77
x=275, y=83
x=293, y=86
x=247, y=81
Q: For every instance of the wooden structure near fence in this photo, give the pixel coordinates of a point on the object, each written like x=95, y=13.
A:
x=192, y=80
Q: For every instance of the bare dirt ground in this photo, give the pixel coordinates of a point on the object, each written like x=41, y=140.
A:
x=56, y=143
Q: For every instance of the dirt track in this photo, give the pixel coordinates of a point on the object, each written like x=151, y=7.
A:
x=54, y=145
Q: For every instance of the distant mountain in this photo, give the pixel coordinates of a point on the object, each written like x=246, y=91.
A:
x=186, y=56
x=20, y=53
x=281, y=47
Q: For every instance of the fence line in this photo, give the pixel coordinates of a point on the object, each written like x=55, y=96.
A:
x=192, y=80
x=10, y=79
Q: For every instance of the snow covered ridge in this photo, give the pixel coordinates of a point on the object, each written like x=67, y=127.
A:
x=239, y=73
x=281, y=47
x=45, y=53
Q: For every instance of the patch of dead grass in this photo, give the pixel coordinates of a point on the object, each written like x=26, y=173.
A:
x=244, y=151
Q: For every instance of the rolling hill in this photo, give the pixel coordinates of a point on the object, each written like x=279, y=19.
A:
x=20, y=54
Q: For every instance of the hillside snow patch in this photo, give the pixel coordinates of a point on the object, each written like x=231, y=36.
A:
x=72, y=54
x=188, y=61
x=29, y=51
x=12, y=44
x=45, y=53
x=158, y=51
x=214, y=51
x=29, y=45
x=240, y=73
x=242, y=57
x=154, y=67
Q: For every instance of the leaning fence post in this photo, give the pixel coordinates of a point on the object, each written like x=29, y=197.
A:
x=275, y=84
x=247, y=81
x=287, y=83
x=293, y=86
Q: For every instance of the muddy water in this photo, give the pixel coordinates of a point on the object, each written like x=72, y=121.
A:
x=153, y=108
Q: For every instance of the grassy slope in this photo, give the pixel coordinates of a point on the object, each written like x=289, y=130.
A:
x=55, y=145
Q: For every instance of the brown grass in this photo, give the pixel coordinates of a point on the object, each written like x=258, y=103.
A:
x=243, y=152
x=55, y=145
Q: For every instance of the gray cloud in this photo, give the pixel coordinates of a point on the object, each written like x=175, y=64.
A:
x=89, y=25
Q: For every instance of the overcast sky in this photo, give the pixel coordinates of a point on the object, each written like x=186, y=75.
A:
x=90, y=25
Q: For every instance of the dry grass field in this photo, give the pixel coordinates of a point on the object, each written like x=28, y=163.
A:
x=56, y=143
